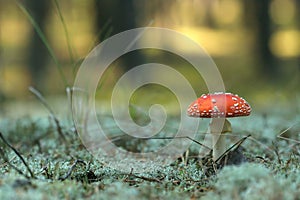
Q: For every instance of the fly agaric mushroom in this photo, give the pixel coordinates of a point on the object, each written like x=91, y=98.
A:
x=219, y=106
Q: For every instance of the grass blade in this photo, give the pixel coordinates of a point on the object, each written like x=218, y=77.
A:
x=45, y=41
x=20, y=156
x=65, y=30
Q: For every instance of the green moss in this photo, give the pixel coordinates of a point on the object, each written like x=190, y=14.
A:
x=267, y=175
x=253, y=181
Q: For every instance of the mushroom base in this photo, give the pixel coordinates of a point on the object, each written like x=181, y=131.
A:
x=218, y=138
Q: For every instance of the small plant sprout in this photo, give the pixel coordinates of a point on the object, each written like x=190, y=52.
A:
x=219, y=106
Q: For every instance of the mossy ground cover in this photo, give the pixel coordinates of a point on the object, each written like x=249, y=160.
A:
x=56, y=165
x=64, y=169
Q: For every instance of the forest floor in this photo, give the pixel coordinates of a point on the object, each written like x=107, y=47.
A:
x=56, y=165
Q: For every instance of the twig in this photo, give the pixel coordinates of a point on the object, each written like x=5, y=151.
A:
x=11, y=165
x=71, y=170
x=141, y=177
x=277, y=152
x=286, y=138
x=266, y=147
x=19, y=155
x=118, y=137
x=182, y=137
x=236, y=145
x=40, y=97
x=69, y=92
x=261, y=158
x=147, y=178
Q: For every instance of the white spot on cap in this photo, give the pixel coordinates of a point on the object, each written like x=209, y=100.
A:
x=234, y=98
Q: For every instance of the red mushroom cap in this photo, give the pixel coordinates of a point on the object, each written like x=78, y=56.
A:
x=218, y=105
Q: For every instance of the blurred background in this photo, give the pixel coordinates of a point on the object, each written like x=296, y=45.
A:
x=254, y=43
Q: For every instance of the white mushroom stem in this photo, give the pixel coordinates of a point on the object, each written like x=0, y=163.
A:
x=218, y=139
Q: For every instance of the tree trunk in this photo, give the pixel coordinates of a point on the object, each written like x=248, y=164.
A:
x=258, y=18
